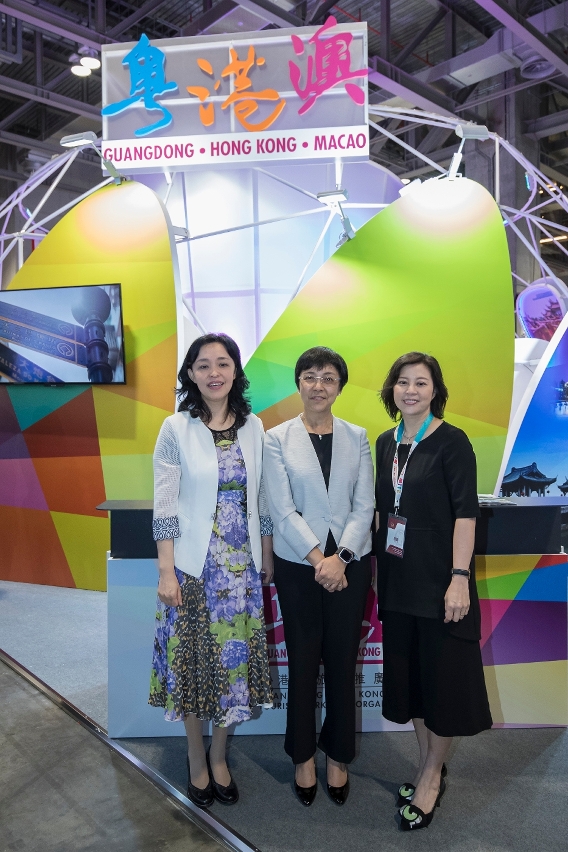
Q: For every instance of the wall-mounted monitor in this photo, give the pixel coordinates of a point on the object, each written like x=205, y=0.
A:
x=62, y=335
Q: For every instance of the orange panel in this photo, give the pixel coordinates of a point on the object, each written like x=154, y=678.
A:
x=71, y=430
x=152, y=376
x=72, y=484
x=287, y=408
x=31, y=551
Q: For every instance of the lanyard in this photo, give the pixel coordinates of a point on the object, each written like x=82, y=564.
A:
x=398, y=479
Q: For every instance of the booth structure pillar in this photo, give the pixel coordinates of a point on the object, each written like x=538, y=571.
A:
x=507, y=116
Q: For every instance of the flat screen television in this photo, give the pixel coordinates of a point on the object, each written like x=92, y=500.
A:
x=62, y=335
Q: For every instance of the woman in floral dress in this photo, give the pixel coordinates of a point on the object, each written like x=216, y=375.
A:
x=213, y=529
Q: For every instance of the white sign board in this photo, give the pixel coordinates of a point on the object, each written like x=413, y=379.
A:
x=293, y=94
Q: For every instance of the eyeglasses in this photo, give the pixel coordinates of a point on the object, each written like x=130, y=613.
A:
x=328, y=381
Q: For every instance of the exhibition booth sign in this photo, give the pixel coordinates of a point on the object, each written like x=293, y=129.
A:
x=289, y=94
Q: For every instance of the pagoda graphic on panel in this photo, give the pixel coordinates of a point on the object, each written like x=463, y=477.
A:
x=523, y=481
x=564, y=487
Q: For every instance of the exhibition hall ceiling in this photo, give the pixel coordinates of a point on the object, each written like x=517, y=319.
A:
x=461, y=53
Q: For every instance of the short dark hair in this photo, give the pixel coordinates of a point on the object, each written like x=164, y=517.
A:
x=189, y=395
x=440, y=399
x=319, y=357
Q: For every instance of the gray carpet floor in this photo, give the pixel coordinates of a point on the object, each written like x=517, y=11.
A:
x=61, y=636
x=62, y=790
x=507, y=792
x=507, y=789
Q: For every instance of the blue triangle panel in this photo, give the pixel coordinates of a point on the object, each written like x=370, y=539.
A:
x=545, y=584
x=34, y=402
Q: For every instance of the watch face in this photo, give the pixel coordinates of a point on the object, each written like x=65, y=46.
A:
x=345, y=555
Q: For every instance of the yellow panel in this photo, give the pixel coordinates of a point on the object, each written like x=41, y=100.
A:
x=141, y=373
x=125, y=425
x=85, y=541
x=487, y=567
x=128, y=477
x=528, y=693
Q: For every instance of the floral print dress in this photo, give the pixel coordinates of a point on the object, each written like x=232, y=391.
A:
x=210, y=656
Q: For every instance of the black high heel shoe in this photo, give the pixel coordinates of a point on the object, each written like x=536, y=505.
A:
x=338, y=794
x=413, y=818
x=305, y=795
x=406, y=791
x=226, y=795
x=202, y=798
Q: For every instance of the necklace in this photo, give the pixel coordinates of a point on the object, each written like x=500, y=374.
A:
x=312, y=431
x=410, y=437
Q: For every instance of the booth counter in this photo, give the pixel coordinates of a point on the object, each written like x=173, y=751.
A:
x=521, y=572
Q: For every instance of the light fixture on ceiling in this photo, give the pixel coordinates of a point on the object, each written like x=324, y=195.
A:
x=333, y=200
x=466, y=131
x=76, y=140
x=84, y=61
x=80, y=71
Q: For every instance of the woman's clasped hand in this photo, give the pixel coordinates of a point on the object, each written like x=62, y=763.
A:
x=330, y=573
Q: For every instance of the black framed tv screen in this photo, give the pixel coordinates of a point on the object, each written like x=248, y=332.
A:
x=61, y=335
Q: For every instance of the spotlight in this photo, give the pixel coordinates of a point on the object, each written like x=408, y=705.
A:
x=472, y=131
x=78, y=139
x=89, y=138
x=91, y=62
x=333, y=199
x=80, y=71
x=336, y=196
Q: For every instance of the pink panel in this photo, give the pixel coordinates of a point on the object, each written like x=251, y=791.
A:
x=19, y=485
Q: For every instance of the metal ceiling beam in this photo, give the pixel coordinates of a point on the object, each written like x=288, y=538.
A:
x=146, y=9
x=418, y=39
x=548, y=125
x=403, y=85
x=465, y=16
x=321, y=11
x=495, y=55
x=17, y=141
x=51, y=22
x=44, y=96
x=525, y=30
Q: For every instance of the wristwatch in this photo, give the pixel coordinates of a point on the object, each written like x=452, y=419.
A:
x=345, y=555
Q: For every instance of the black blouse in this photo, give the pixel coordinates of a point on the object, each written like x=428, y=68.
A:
x=323, y=445
x=440, y=486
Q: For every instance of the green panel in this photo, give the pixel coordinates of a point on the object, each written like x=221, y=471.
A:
x=128, y=477
x=431, y=272
x=136, y=344
x=504, y=588
x=34, y=403
x=270, y=378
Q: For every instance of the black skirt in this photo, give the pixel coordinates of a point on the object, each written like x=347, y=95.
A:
x=431, y=674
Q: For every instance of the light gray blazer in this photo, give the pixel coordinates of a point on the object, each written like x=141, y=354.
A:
x=302, y=509
x=186, y=479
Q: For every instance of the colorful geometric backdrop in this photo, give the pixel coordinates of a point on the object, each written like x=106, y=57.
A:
x=64, y=450
x=524, y=637
x=430, y=272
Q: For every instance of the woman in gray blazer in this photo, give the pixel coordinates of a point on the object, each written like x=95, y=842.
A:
x=318, y=476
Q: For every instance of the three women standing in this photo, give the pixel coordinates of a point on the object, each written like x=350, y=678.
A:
x=210, y=657
x=213, y=526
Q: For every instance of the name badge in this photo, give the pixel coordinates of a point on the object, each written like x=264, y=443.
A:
x=396, y=529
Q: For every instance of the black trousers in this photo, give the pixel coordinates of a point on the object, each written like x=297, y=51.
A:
x=319, y=625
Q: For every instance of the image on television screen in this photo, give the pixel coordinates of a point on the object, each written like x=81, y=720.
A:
x=62, y=335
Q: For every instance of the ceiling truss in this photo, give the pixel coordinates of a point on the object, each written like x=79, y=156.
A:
x=460, y=59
